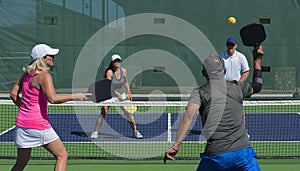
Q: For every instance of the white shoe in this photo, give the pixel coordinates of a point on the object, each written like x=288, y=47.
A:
x=137, y=135
x=94, y=135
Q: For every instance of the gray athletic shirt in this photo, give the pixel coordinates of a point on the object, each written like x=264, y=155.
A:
x=117, y=84
x=221, y=110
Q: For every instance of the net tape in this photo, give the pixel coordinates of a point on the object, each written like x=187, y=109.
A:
x=163, y=103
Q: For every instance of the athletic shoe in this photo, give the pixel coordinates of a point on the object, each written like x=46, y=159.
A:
x=137, y=135
x=94, y=134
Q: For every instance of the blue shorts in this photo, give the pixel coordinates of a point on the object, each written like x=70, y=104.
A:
x=239, y=160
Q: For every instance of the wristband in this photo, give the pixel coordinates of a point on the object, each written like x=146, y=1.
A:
x=257, y=73
x=176, y=149
x=257, y=76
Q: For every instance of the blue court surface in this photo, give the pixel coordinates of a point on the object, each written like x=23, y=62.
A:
x=115, y=128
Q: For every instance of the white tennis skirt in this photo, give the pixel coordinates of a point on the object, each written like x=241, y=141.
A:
x=115, y=99
x=28, y=138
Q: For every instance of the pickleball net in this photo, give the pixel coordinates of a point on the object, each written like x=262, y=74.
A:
x=273, y=126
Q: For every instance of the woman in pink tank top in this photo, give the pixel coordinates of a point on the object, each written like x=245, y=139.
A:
x=32, y=124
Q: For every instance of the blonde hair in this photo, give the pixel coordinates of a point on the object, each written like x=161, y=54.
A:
x=36, y=67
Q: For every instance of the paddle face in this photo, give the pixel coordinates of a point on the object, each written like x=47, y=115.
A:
x=130, y=109
x=253, y=34
x=101, y=90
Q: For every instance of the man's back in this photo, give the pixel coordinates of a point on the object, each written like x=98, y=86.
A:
x=222, y=115
x=220, y=105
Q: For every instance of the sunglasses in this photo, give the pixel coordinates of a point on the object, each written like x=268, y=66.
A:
x=230, y=44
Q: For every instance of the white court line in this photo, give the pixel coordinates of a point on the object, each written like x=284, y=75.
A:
x=7, y=130
x=169, y=139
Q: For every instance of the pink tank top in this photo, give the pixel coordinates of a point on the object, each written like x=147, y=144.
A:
x=33, y=112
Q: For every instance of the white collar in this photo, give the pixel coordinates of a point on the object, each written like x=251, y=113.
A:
x=234, y=54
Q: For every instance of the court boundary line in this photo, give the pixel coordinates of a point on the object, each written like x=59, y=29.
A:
x=9, y=129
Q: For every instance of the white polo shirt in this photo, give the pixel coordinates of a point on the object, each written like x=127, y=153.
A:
x=235, y=65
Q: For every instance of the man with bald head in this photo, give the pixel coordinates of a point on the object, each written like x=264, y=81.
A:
x=220, y=104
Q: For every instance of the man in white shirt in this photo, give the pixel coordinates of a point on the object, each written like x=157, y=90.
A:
x=236, y=64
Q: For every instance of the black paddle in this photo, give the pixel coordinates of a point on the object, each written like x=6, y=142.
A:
x=253, y=34
x=101, y=90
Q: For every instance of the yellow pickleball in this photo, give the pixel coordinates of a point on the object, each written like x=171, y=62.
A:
x=231, y=20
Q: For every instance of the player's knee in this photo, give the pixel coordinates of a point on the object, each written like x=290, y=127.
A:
x=103, y=114
x=131, y=121
x=63, y=155
x=104, y=110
